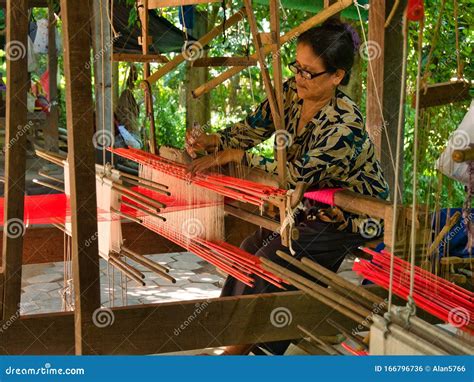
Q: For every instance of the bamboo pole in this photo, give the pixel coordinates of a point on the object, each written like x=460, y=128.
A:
x=439, y=238
x=322, y=344
x=202, y=42
x=336, y=298
x=290, y=36
x=157, y=268
x=145, y=211
x=127, y=272
x=136, y=200
x=51, y=158
x=347, y=334
x=330, y=278
x=326, y=280
x=143, y=185
x=47, y=176
x=126, y=216
x=343, y=282
x=49, y=185
x=149, y=200
x=141, y=180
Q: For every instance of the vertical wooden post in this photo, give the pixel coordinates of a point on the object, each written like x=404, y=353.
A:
x=278, y=85
x=197, y=109
x=79, y=107
x=102, y=45
x=375, y=74
x=145, y=41
x=391, y=88
x=15, y=159
x=51, y=133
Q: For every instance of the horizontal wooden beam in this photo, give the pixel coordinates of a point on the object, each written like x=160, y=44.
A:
x=443, y=93
x=153, y=4
x=31, y=3
x=224, y=61
x=133, y=57
x=252, y=218
x=177, y=326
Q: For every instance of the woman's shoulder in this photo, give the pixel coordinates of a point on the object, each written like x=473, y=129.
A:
x=347, y=109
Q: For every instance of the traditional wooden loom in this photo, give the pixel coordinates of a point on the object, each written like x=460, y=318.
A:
x=147, y=329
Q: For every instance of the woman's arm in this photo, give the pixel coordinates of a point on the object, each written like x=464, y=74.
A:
x=328, y=157
x=254, y=129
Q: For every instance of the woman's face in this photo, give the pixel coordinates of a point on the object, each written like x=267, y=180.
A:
x=317, y=88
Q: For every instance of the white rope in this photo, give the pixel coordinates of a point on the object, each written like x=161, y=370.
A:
x=397, y=157
x=289, y=220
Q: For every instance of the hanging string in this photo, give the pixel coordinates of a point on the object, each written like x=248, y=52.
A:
x=433, y=44
x=397, y=155
x=458, y=53
x=102, y=76
x=411, y=304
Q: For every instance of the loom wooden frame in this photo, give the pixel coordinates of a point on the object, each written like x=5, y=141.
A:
x=134, y=329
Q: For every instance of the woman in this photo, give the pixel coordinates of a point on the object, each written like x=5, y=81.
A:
x=327, y=147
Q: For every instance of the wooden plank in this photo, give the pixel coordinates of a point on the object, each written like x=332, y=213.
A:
x=157, y=328
x=393, y=58
x=51, y=133
x=289, y=36
x=443, y=93
x=153, y=4
x=79, y=107
x=30, y=3
x=224, y=61
x=374, y=53
x=133, y=57
x=252, y=218
x=201, y=43
x=15, y=158
x=168, y=327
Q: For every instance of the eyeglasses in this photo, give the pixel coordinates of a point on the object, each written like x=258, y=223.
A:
x=295, y=68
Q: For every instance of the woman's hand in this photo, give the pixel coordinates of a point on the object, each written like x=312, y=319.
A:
x=219, y=159
x=197, y=140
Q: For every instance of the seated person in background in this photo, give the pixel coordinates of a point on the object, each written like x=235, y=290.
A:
x=327, y=146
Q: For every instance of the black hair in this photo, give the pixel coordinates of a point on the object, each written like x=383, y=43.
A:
x=335, y=43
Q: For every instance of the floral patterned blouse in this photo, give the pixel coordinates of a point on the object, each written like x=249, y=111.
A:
x=333, y=150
